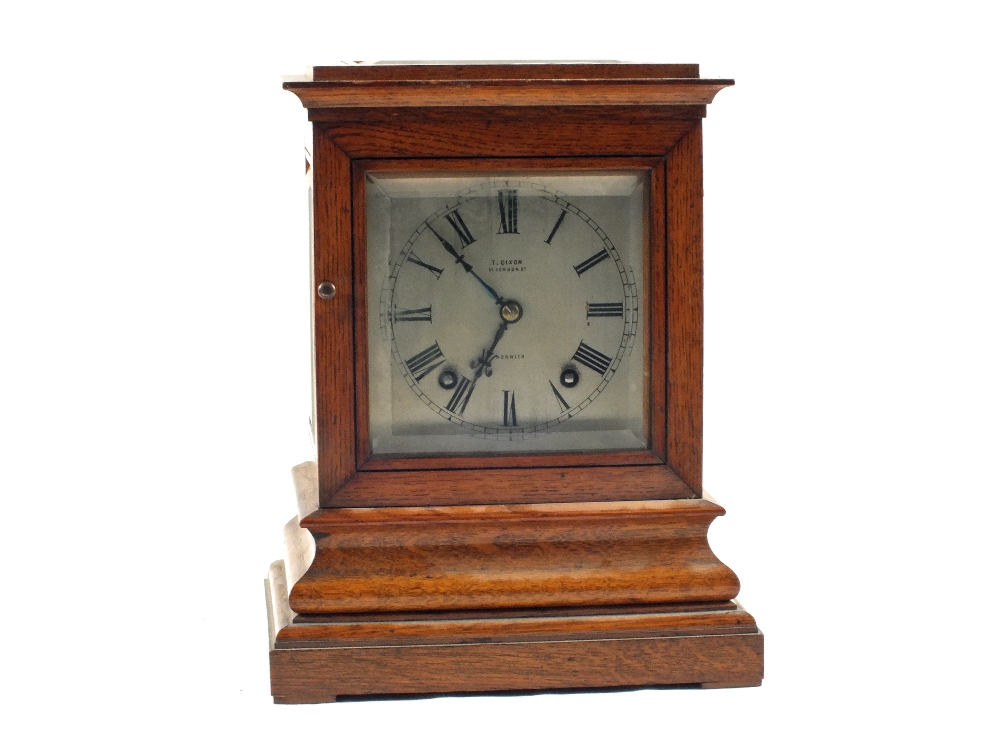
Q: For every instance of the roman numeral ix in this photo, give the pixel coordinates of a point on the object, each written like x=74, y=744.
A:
x=590, y=357
x=421, y=314
x=592, y=261
x=436, y=271
x=508, y=211
x=422, y=363
x=460, y=398
x=605, y=310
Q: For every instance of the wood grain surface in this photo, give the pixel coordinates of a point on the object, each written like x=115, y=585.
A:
x=333, y=329
x=510, y=614
x=502, y=71
x=323, y=658
x=549, y=649
x=491, y=132
x=427, y=486
x=543, y=625
x=685, y=314
x=507, y=93
x=412, y=559
x=326, y=674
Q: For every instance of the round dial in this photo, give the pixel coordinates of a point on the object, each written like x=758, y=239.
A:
x=509, y=310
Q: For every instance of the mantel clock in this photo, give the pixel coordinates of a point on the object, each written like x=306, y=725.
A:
x=507, y=318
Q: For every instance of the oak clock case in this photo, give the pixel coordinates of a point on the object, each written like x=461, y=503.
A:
x=508, y=312
x=507, y=327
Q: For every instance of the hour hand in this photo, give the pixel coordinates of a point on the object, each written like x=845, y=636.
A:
x=482, y=365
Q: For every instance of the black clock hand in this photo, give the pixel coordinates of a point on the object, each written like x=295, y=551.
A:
x=483, y=363
x=496, y=297
x=450, y=249
x=460, y=259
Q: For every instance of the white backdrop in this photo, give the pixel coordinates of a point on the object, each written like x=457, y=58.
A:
x=155, y=373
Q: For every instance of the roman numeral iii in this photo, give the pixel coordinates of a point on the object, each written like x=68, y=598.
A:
x=460, y=398
x=464, y=235
x=592, y=261
x=508, y=211
x=605, y=310
x=421, y=314
x=590, y=357
x=509, y=410
x=422, y=363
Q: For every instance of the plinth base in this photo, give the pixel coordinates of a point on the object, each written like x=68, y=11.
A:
x=320, y=658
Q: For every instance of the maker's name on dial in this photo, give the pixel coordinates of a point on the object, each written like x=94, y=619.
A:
x=504, y=264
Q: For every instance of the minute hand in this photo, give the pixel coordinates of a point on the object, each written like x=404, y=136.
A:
x=460, y=259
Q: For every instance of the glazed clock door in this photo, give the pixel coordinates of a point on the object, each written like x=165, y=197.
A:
x=506, y=313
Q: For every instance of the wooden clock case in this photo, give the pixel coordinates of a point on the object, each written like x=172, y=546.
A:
x=460, y=574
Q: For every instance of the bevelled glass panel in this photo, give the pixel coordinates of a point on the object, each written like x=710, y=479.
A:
x=507, y=313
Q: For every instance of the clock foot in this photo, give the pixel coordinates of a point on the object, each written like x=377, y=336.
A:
x=715, y=685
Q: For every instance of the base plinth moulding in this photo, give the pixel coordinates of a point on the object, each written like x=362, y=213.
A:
x=497, y=598
x=320, y=659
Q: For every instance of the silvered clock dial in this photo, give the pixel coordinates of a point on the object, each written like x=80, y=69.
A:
x=508, y=310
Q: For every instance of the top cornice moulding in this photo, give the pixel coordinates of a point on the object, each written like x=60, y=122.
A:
x=505, y=85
